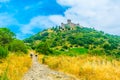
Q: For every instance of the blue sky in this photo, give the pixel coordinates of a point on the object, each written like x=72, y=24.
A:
x=27, y=17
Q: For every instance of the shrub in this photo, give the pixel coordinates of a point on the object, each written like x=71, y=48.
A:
x=17, y=46
x=65, y=47
x=3, y=52
x=44, y=49
x=6, y=36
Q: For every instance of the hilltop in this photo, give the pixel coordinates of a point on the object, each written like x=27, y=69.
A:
x=74, y=39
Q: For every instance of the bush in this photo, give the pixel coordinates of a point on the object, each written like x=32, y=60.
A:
x=3, y=52
x=65, y=47
x=6, y=36
x=44, y=49
x=17, y=46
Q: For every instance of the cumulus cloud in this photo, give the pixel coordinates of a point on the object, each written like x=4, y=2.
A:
x=7, y=20
x=57, y=19
x=100, y=14
x=40, y=22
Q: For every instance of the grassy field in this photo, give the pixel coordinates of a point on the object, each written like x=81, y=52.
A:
x=85, y=67
x=76, y=51
x=14, y=67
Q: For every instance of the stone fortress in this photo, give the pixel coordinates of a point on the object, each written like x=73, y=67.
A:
x=69, y=23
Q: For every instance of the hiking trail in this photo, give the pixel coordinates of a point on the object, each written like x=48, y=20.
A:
x=42, y=72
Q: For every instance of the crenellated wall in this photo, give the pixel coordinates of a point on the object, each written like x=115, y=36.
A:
x=69, y=23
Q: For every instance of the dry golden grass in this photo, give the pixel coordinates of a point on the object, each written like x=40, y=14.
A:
x=84, y=67
x=16, y=66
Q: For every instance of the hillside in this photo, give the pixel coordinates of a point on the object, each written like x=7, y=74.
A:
x=74, y=40
x=68, y=42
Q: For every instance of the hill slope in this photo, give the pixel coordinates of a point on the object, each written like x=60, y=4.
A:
x=73, y=40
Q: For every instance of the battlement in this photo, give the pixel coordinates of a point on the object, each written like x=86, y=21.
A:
x=69, y=23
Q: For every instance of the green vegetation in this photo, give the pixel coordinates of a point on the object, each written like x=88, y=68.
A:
x=43, y=48
x=3, y=52
x=76, y=41
x=75, y=51
x=17, y=46
x=6, y=36
x=8, y=42
x=4, y=75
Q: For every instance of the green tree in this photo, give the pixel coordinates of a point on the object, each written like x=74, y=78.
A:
x=6, y=36
x=43, y=48
x=17, y=46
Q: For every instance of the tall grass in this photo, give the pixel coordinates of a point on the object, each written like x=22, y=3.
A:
x=14, y=67
x=85, y=67
x=4, y=75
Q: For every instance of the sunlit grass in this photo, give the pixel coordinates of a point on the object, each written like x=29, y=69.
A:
x=16, y=65
x=85, y=67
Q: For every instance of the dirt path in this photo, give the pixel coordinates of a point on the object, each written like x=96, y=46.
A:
x=42, y=72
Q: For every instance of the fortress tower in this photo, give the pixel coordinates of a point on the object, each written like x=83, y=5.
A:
x=69, y=23
x=62, y=25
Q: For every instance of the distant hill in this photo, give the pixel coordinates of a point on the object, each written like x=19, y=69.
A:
x=73, y=39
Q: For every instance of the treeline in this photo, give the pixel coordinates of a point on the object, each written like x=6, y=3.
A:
x=9, y=43
x=96, y=42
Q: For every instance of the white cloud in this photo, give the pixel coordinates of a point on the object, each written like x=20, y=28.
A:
x=33, y=6
x=37, y=22
x=42, y=22
x=6, y=20
x=83, y=3
x=57, y=19
x=100, y=14
x=3, y=1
